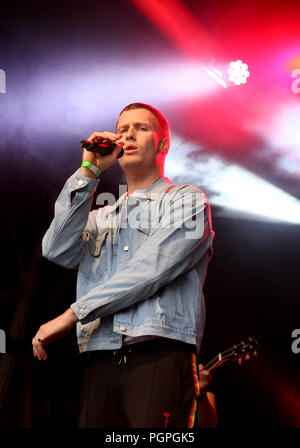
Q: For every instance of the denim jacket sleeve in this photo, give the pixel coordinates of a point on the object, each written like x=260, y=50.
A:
x=62, y=242
x=183, y=238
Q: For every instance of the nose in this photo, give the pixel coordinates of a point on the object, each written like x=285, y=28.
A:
x=130, y=134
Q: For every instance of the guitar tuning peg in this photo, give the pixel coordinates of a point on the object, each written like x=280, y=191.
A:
x=255, y=353
x=247, y=357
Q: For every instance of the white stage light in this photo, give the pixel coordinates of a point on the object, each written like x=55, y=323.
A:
x=216, y=75
x=239, y=192
x=282, y=132
x=68, y=97
x=238, y=72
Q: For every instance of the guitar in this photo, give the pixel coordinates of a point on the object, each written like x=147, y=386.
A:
x=207, y=418
x=234, y=353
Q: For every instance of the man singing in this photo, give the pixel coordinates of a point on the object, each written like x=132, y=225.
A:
x=142, y=263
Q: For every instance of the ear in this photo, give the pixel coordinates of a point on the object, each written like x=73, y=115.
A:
x=164, y=145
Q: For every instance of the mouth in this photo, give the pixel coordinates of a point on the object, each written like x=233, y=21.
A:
x=130, y=149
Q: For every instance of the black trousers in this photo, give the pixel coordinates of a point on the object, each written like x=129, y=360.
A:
x=149, y=384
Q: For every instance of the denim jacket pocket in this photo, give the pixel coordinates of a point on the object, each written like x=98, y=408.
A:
x=94, y=263
x=142, y=234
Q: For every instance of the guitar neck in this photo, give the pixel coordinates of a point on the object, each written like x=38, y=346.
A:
x=214, y=363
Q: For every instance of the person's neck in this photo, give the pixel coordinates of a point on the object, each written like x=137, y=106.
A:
x=141, y=181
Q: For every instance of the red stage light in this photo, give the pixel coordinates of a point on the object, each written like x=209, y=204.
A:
x=175, y=20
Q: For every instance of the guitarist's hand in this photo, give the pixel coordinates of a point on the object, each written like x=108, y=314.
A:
x=204, y=379
x=207, y=416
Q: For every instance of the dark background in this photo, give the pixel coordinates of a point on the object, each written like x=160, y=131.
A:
x=252, y=285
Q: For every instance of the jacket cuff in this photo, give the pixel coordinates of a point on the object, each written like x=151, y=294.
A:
x=78, y=181
x=80, y=310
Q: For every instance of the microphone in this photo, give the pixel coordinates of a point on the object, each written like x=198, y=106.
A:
x=101, y=148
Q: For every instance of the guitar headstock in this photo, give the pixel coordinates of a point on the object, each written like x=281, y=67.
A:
x=238, y=352
x=241, y=351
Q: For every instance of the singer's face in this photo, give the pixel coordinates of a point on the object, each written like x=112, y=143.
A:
x=139, y=130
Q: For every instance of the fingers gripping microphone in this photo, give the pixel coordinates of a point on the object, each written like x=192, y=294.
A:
x=100, y=147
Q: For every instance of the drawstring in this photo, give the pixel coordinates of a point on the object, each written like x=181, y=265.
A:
x=122, y=356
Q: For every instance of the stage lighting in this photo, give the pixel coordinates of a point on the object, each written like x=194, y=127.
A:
x=216, y=75
x=237, y=191
x=238, y=72
x=69, y=94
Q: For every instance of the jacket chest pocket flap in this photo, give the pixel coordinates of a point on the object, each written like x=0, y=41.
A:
x=145, y=226
x=142, y=235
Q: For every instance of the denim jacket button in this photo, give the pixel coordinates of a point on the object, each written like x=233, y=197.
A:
x=81, y=311
x=122, y=328
x=79, y=181
x=125, y=248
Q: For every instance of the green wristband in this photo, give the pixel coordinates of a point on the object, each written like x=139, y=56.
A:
x=91, y=167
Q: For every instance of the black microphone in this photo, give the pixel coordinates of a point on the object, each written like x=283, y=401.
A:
x=101, y=148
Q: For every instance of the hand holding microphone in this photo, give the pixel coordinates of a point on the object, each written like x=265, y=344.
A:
x=101, y=149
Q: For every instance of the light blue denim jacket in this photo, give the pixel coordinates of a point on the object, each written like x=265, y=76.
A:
x=142, y=261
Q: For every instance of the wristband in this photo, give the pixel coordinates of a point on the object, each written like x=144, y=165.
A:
x=91, y=167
